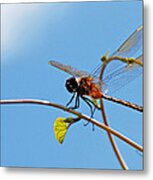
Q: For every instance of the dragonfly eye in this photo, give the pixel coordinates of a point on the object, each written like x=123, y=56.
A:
x=71, y=85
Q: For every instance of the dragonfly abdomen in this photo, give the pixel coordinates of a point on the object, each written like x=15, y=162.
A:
x=95, y=91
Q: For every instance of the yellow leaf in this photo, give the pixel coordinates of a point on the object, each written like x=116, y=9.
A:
x=61, y=126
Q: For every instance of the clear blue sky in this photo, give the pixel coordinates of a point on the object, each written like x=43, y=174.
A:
x=72, y=33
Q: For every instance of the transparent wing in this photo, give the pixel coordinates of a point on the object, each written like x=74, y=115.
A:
x=68, y=69
x=121, y=77
x=118, y=74
x=131, y=48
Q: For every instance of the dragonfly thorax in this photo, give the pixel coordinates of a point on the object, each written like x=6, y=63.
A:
x=71, y=85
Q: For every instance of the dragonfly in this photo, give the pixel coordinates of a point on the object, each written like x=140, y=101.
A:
x=86, y=85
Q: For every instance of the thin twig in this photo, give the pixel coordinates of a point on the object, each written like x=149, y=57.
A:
x=123, y=102
x=112, y=140
x=83, y=116
x=126, y=60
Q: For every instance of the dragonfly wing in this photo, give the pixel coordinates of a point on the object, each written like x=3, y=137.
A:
x=68, y=69
x=121, y=77
x=132, y=46
x=118, y=74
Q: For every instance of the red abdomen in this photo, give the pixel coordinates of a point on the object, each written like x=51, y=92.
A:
x=95, y=91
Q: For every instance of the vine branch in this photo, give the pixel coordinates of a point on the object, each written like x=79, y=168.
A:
x=111, y=138
x=82, y=116
x=106, y=61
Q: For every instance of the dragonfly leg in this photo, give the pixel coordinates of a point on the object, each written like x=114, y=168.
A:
x=77, y=102
x=89, y=102
x=70, y=100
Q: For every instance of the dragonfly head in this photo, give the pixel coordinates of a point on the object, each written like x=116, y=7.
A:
x=71, y=85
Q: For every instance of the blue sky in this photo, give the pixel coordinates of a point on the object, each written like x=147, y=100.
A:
x=72, y=33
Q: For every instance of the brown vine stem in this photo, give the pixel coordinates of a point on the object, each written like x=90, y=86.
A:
x=112, y=140
x=106, y=61
x=83, y=116
x=123, y=102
